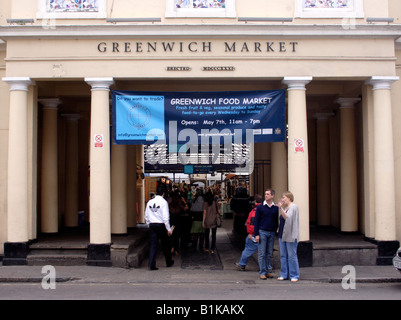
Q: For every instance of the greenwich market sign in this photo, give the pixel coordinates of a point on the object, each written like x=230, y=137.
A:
x=197, y=126
x=192, y=47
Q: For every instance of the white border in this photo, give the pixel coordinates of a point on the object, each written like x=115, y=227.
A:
x=43, y=12
x=355, y=12
x=227, y=12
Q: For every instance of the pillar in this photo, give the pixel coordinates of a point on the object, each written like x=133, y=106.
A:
x=16, y=247
x=348, y=165
x=100, y=186
x=49, y=171
x=140, y=160
x=279, y=174
x=334, y=124
x=385, y=216
x=131, y=187
x=298, y=161
x=368, y=187
x=323, y=169
x=118, y=189
x=71, y=171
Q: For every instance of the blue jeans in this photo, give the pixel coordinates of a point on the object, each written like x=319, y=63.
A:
x=266, y=244
x=289, y=259
x=250, y=248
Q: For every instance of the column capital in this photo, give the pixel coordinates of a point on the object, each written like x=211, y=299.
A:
x=324, y=116
x=18, y=83
x=380, y=82
x=296, y=83
x=73, y=117
x=51, y=103
x=100, y=83
x=347, y=102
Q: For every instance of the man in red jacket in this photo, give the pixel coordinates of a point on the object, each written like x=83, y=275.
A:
x=251, y=246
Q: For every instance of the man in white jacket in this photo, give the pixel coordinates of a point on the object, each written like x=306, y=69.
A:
x=157, y=216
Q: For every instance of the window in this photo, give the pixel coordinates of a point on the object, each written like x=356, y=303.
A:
x=200, y=8
x=72, y=9
x=329, y=9
x=73, y=5
x=338, y=4
x=200, y=4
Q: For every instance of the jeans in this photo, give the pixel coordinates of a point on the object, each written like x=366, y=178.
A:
x=250, y=248
x=289, y=259
x=266, y=244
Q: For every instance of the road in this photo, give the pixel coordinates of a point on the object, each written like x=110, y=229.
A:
x=260, y=290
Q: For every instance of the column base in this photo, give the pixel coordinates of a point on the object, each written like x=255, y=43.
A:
x=99, y=255
x=15, y=253
x=305, y=254
x=386, y=251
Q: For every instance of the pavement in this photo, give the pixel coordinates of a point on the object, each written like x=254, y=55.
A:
x=196, y=268
x=175, y=274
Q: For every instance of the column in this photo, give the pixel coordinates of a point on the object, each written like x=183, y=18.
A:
x=119, y=189
x=49, y=164
x=368, y=187
x=71, y=171
x=385, y=216
x=131, y=187
x=348, y=165
x=140, y=196
x=334, y=124
x=298, y=161
x=16, y=247
x=323, y=169
x=100, y=196
x=279, y=174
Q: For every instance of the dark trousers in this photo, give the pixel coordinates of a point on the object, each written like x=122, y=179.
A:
x=158, y=231
x=207, y=235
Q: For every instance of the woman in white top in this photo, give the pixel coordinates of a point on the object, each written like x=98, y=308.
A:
x=288, y=237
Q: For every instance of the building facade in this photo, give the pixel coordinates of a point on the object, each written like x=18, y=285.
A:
x=338, y=60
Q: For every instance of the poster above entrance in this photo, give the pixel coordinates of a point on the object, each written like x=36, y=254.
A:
x=198, y=118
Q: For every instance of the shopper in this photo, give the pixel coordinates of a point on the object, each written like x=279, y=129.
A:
x=209, y=223
x=196, y=212
x=157, y=216
x=266, y=224
x=288, y=237
x=177, y=207
x=251, y=246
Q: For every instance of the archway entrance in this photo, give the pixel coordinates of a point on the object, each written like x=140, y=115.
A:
x=74, y=97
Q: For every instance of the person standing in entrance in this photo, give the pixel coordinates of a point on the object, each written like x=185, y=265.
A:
x=266, y=224
x=251, y=246
x=210, y=213
x=157, y=216
x=288, y=236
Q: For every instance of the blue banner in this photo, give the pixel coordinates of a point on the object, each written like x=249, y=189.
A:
x=195, y=118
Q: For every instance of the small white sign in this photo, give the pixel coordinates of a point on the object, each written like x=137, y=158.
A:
x=98, y=139
x=299, y=145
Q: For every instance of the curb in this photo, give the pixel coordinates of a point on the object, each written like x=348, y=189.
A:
x=35, y=279
x=82, y=280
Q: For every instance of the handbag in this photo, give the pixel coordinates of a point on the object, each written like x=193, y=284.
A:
x=219, y=219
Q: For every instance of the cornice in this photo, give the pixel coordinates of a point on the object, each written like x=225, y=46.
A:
x=201, y=31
